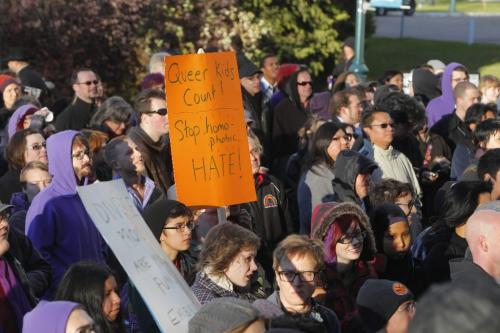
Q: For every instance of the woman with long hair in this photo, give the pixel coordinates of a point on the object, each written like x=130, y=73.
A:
x=93, y=286
x=315, y=185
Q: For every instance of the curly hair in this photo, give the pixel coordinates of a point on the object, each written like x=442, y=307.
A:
x=222, y=244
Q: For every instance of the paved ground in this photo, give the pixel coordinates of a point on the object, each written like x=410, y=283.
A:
x=485, y=27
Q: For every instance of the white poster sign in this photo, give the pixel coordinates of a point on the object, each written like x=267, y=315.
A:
x=167, y=295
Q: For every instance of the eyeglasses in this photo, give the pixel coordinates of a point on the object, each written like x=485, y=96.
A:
x=384, y=125
x=407, y=307
x=289, y=276
x=305, y=83
x=161, y=112
x=38, y=146
x=88, y=83
x=182, y=227
x=460, y=79
x=347, y=137
x=349, y=238
x=79, y=156
x=410, y=205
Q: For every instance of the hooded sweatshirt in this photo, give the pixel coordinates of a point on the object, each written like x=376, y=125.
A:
x=444, y=104
x=49, y=317
x=57, y=222
x=425, y=85
x=347, y=167
x=17, y=116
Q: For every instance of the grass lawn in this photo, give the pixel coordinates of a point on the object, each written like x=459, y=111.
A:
x=404, y=54
x=462, y=6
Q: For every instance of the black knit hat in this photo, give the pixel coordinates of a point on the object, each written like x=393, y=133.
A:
x=156, y=215
x=378, y=300
x=246, y=68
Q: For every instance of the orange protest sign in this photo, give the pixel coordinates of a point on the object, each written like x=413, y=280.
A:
x=207, y=130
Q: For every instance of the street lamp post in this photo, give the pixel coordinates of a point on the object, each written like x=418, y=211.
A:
x=453, y=6
x=358, y=66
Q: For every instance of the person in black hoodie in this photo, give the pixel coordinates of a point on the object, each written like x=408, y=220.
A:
x=425, y=85
x=352, y=178
x=289, y=116
x=393, y=240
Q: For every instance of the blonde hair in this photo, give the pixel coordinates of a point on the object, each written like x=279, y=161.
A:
x=489, y=81
x=298, y=245
x=32, y=166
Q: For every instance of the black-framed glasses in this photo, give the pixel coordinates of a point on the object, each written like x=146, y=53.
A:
x=305, y=83
x=79, y=156
x=88, y=83
x=161, y=112
x=181, y=227
x=289, y=276
x=410, y=205
x=384, y=125
x=347, y=137
x=349, y=238
x=38, y=146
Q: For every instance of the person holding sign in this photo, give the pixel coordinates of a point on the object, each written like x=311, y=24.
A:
x=171, y=223
x=227, y=262
x=150, y=135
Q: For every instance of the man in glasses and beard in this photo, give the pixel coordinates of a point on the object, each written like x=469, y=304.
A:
x=379, y=127
x=88, y=89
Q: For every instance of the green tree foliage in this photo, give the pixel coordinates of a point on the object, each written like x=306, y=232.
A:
x=116, y=37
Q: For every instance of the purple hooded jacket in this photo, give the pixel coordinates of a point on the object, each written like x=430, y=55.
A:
x=48, y=317
x=57, y=222
x=444, y=104
x=16, y=116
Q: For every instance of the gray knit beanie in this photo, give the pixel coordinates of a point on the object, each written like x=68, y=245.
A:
x=223, y=314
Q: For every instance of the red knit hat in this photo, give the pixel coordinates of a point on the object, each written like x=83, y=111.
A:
x=5, y=80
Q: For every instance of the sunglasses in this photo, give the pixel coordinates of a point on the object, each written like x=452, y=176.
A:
x=161, y=112
x=88, y=83
x=384, y=125
x=305, y=83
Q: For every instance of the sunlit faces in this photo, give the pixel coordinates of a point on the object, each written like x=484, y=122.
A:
x=117, y=127
x=82, y=161
x=381, y=130
x=270, y=69
x=251, y=83
x=351, y=80
x=362, y=185
x=296, y=293
x=400, y=320
x=157, y=124
x=304, y=86
x=255, y=152
x=111, y=301
x=10, y=94
x=79, y=321
x=340, y=141
x=493, y=141
x=35, y=149
x=38, y=177
x=86, y=86
x=407, y=204
x=397, y=80
x=242, y=267
x=470, y=96
x=129, y=158
x=397, y=238
x=178, y=237
x=350, y=245
x=490, y=95
x=457, y=77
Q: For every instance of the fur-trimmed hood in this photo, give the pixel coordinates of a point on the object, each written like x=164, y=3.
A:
x=325, y=214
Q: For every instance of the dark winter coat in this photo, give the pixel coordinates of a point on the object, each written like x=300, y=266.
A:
x=76, y=116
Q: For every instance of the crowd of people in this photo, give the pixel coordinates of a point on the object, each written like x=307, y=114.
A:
x=378, y=203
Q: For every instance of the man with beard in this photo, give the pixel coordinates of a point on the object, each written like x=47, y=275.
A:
x=86, y=85
x=57, y=222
